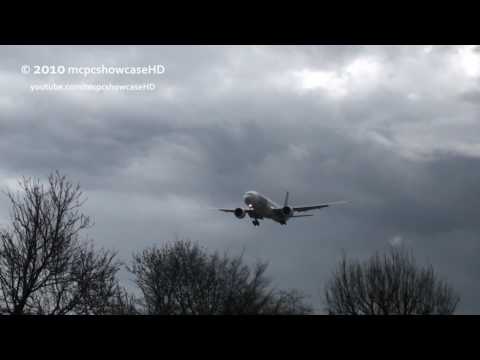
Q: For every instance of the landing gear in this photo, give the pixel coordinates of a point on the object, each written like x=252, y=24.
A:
x=255, y=222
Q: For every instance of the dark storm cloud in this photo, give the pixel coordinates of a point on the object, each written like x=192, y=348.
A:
x=387, y=128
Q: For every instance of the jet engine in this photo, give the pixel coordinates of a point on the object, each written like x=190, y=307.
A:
x=239, y=213
x=287, y=211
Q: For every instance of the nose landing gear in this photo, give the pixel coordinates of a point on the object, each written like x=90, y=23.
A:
x=256, y=222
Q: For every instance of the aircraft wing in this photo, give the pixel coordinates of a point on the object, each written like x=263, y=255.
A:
x=314, y=207
x=247, y=211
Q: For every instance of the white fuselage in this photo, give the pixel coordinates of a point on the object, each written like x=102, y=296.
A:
x=263, y=207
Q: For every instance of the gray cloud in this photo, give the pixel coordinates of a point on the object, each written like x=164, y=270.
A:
x=472, y=96
x=389, y=128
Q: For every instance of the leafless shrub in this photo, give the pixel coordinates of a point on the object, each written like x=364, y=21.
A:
x=388, y=284
x=182, y=278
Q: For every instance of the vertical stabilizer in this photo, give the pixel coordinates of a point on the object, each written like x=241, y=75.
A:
x=285, y=203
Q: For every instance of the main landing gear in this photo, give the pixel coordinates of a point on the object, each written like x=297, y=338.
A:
x=256, y=222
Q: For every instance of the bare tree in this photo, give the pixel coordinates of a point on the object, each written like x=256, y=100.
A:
x=123, y=303
x=44, y=267
x=388, y=284
x=182, y=278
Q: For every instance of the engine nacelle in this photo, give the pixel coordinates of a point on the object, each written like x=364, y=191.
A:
x=287, y=211
x=239, y=213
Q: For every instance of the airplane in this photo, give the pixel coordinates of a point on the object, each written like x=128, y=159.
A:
x=260, y=207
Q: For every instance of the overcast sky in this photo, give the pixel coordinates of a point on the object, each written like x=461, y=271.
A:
x=393, y=129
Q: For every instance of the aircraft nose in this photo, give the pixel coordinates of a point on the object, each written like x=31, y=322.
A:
x=247, y=197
